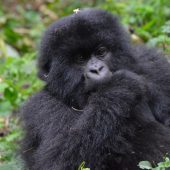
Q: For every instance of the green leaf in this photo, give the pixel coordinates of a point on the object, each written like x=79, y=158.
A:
x=10, y=94
x=145, y=165
x=82, y=166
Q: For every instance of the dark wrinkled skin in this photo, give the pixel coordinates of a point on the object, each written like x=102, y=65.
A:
x=111, y=122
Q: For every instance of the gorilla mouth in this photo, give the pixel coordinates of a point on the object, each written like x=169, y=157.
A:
x=91, y=85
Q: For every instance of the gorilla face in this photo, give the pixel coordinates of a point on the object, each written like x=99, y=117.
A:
x=95, y=68
x=81, y=52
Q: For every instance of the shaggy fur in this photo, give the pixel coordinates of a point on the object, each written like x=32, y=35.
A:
x=112, y=128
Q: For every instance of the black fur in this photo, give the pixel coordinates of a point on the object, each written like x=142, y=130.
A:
x=112, y=128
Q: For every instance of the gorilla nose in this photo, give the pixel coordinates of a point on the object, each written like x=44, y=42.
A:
x=96, y=70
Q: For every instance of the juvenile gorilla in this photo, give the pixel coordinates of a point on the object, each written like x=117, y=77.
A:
x=105, y=102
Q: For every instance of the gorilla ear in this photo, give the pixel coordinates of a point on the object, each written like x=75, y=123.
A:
x=44, y=67
x=42, y=76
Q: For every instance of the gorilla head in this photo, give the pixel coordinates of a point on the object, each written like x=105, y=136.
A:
x=80, y=52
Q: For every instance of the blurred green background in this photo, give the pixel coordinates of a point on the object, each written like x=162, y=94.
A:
x=21, y=26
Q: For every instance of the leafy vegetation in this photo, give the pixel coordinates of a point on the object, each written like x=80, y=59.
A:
x=21, y=26
x=82, y=166
x=160, y=166
x=142, y=165
x=10, y=133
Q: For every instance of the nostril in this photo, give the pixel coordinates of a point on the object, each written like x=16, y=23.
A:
x=94, y=71
x=100, y=69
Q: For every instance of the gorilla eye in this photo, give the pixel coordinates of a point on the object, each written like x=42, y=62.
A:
x=80, y=59
x=101, y=51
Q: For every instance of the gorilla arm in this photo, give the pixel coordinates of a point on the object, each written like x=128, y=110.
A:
x=107, y=126
x=45, y=120
x=115, y=124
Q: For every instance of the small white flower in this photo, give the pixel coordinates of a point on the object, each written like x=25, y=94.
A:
x=76, y=10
